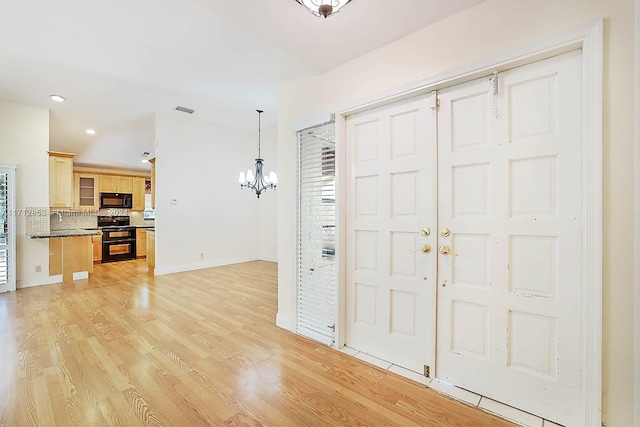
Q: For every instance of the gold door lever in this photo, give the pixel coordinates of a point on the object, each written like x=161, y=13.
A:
x=425, y=249
x=445, y=250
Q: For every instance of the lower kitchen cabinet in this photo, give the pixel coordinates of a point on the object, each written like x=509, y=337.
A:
x=141, y=242
x=151, y=250
x=68, y=255
x=97, y=248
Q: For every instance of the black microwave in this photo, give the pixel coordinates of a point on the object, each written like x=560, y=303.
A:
x=116, y=200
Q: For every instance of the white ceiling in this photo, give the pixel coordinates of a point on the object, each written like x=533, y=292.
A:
x=119, y=61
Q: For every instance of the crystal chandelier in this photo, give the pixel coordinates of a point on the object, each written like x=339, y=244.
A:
x=257, y=181
x=323, y=7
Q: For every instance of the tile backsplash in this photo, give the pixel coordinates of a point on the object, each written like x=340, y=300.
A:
x=37, y=220
x=137, y=219
x=72, y=219
x=88, y=219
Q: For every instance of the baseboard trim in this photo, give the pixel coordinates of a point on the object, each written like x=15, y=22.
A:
x=160, y=271
x=270, y=258
x=49, y=280
x=285, y=322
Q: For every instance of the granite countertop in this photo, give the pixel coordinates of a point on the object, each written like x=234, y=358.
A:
x=65, y=233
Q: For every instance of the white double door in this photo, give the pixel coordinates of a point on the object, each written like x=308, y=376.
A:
x=495, y=306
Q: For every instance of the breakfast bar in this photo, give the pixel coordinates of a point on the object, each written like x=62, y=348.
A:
x=70, y=251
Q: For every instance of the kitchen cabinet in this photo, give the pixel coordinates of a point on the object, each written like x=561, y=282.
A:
x=141, y=242
x=138, y=193
x=116, y=184
x=85, y=189
x=68, y=255
x=60, y=179
x=151, y=250
x=97, y=248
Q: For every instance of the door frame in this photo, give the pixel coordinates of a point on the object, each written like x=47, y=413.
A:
x=590, y=40
x=11, y=207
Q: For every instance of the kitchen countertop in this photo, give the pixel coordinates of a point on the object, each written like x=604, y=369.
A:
x=65, y=233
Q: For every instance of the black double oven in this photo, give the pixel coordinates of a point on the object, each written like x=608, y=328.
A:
x=118, y=238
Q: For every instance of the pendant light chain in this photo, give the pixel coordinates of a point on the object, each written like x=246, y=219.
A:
x=259, y=116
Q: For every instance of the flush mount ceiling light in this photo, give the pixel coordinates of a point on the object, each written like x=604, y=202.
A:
x=57, y=98
x=91, y=131
x=323, y=8
x=257, y=181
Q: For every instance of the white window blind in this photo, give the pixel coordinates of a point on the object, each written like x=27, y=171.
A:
x=316, y=290
x=7, y=230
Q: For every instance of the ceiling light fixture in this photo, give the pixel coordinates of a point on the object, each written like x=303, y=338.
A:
x=91, y=131
x=57, y=98
x=257, y=181
x=323, y=8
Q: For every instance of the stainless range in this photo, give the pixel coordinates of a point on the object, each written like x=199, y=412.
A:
x=118, y=238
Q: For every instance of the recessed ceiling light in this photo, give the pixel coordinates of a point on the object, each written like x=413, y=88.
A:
x=57, y=98
x=91, y=131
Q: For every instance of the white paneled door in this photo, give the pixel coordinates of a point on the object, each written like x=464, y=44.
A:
x=501, y=185
x=390, y=275
x=510, y=192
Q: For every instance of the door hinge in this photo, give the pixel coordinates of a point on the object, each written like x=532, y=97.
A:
x=436, y=101
x=494, y=83
x=427, y=371
x=495, y=91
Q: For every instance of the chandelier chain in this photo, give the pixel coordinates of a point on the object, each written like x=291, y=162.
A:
x=259, y=116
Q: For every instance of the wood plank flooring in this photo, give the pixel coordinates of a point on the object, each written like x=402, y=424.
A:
x=189, y=349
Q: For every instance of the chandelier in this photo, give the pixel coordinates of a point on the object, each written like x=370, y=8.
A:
x=323, y=7
x=257, y=181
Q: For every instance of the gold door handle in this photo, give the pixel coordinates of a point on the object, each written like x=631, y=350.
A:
x=446, y=250
x=425, y=249
x=425, y=231
x=445, y=232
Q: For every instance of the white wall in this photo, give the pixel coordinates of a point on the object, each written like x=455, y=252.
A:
x=488, y=29
x=24, y=141
x=198, y=164
x=268, y=206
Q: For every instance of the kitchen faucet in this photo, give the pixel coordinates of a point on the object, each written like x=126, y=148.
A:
x=52, y=213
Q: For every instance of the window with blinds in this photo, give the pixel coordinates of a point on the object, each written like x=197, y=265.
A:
x=7, y=230
x=316, y=233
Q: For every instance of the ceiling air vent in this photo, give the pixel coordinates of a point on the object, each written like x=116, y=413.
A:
x=185, y=109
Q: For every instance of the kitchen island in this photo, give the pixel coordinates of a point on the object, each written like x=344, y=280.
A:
x=70, y=251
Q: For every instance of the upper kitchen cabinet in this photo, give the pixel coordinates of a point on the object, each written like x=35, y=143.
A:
x=138, y=193
x=60, y=179
x=85, y=189
x=116, y=184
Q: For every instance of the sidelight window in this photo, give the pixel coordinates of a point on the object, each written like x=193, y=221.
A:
x=316, y=233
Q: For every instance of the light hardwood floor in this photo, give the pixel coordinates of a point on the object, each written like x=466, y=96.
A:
x=189, y=349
